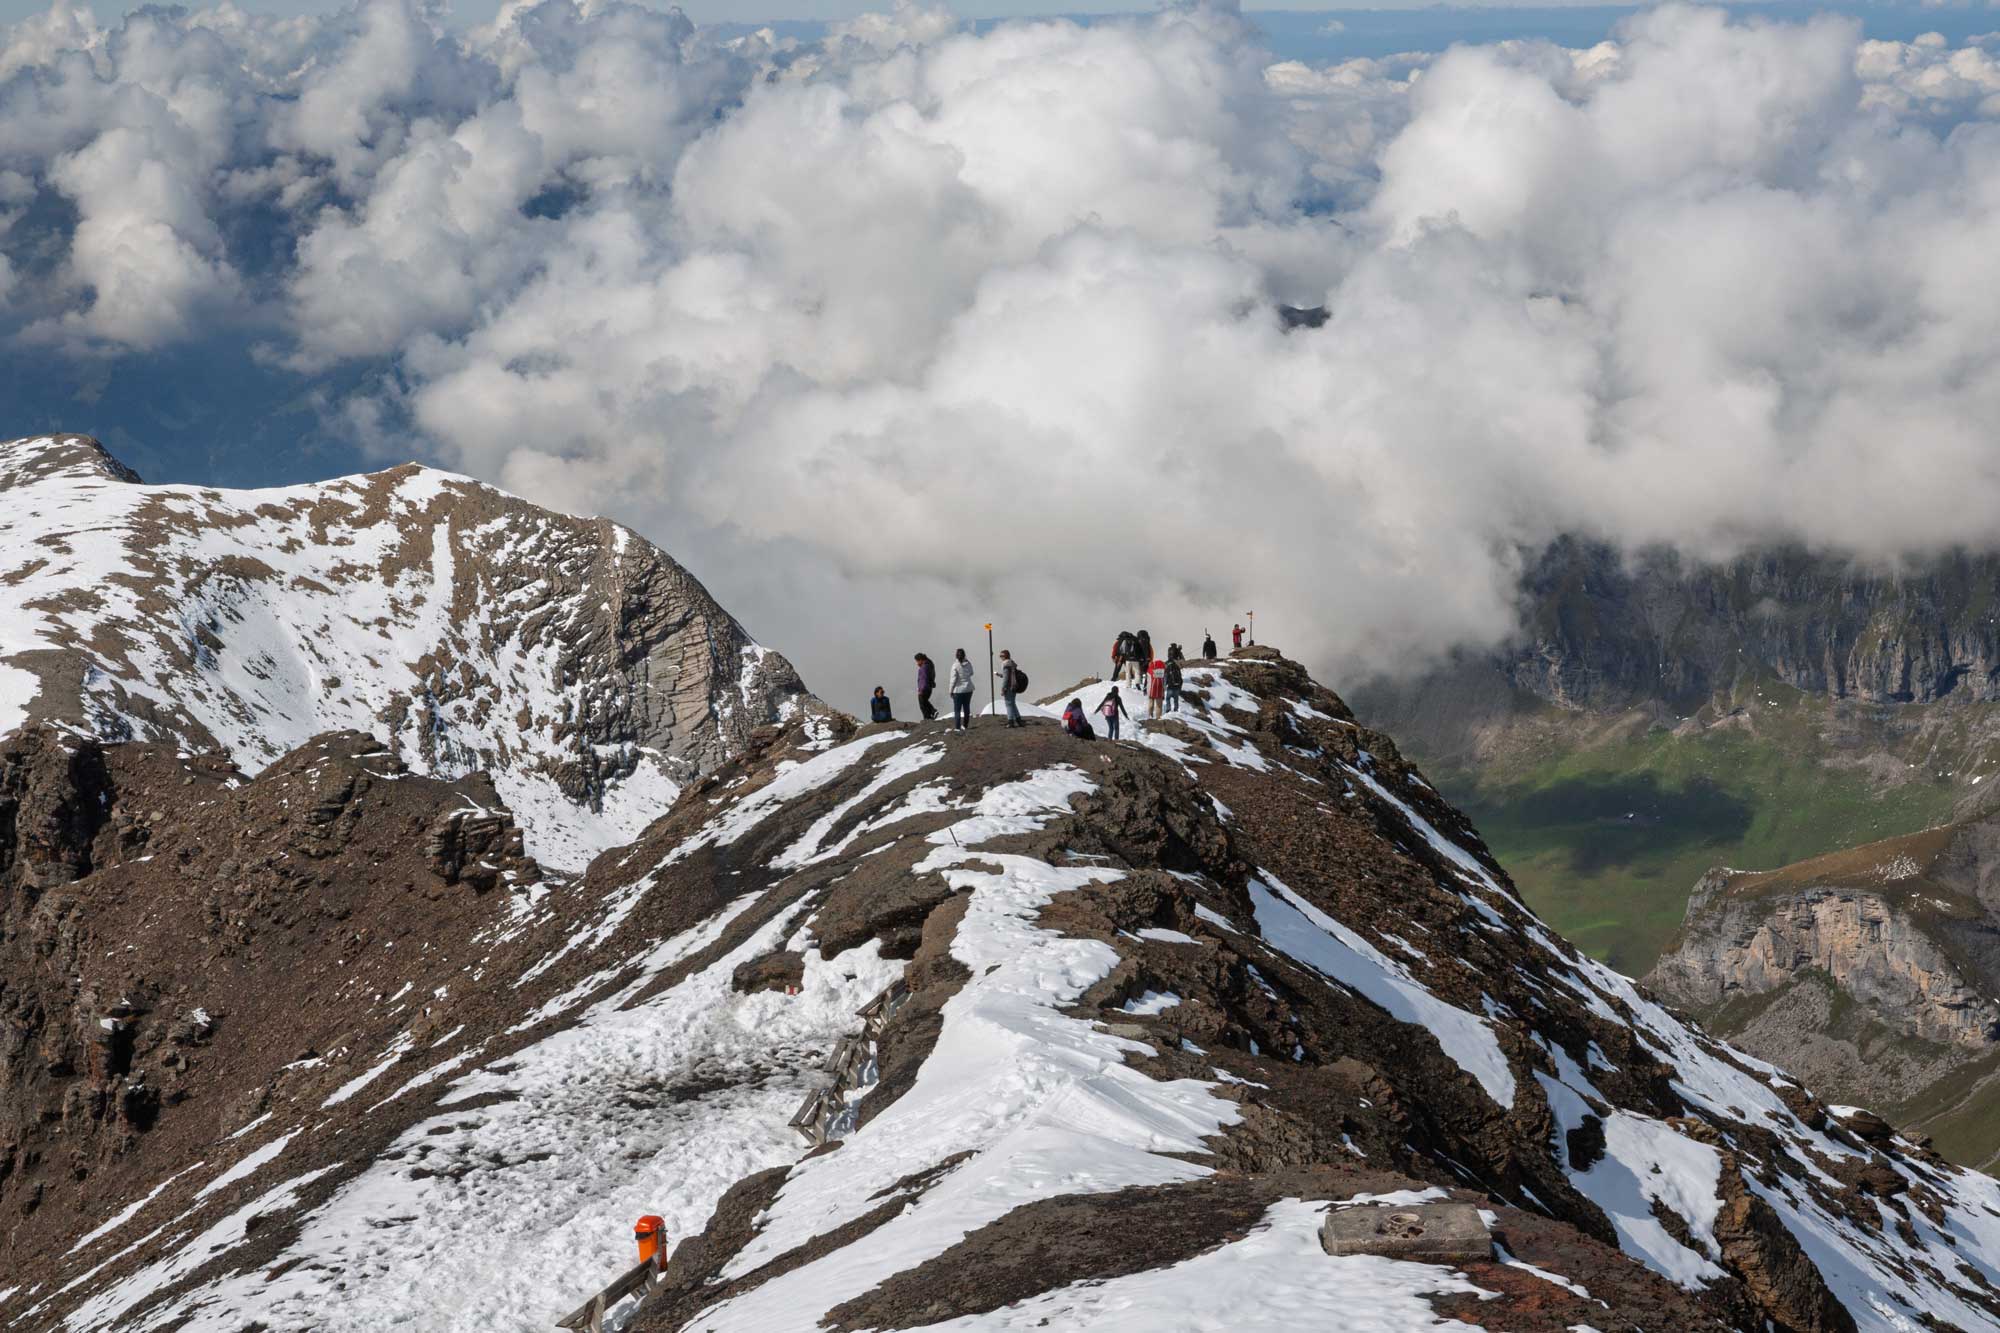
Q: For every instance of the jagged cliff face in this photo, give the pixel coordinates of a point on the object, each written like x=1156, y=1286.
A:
x=579, y=666
x=1604, y=634
x=1164, y=1004
x=1874, y=973
x=1865, y=943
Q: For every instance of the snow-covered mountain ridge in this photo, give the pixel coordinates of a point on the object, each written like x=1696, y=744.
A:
x=316, y=1047
x=582, y=668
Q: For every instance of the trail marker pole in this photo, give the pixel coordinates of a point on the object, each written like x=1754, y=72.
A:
x=1251, y=616
x=992, y=673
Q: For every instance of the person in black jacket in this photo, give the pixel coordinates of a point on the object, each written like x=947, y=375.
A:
x=926, y=682
x=1173, y=672
x=1208, y=645
x=1011, y=684
x=878, y=707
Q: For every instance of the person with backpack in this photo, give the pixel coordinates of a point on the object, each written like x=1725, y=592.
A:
x=1012, y=681
x=1111, y=706
x=1156, y=689
x=1172, y=676
x=1236, y=636
x=878, y=707
x=1145, y=638
x=1117, y=654
x=926, y=682
x=1174, y=653
x=1075, y=723
x=1127, y=655
x=962, y=682
x=1208, y=645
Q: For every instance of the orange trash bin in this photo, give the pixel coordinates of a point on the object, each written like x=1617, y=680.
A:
x=651, y=1233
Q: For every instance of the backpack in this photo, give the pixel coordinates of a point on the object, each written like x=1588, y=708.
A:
x=1020, y=680
x=1128, y=646
x=1173, y=673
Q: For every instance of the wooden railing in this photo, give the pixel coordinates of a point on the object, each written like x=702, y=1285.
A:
x=850, y=1065
x=639, y=1279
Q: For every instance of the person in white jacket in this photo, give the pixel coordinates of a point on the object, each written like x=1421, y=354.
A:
x=961, y=692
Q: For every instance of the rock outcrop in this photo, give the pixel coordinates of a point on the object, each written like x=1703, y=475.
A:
x=1874, y=973
x=181, y=947
x=1867, y=944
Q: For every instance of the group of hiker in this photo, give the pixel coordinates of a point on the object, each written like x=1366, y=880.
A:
x=1012, y=681
x=1132, y=663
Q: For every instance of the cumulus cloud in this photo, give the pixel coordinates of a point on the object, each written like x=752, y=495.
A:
x=920, y=326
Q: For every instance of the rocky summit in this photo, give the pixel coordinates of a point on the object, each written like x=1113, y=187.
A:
x=577, y=665
x=1235, y=1024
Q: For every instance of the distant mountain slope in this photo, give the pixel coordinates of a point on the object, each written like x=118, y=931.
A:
x=1659, y=717
x=1164, y=1004
x=1873, y=973
x=582, y=668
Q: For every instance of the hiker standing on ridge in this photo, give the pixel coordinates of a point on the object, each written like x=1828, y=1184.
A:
x=1236, y=636
x=1126, y=654
x=926, y=682
x=878, y=707
x=1156, y=689
x=1145, y=651
x=1174, y=653
x=961, y=691
x=1012, y=681
x=1208, y=645
x=1112, y=705
x=1173, y=679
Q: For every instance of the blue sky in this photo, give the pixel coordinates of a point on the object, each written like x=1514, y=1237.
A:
x=1297, y=31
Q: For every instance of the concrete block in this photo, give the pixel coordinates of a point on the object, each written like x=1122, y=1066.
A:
x=1432, y=1233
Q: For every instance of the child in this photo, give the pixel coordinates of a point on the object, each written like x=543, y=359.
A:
x=1111, y=707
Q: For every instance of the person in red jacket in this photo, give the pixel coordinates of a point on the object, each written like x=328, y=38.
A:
x=1156, y=689
x=1236, y=636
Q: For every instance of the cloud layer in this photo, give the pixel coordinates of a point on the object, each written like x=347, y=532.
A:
x=916, y=327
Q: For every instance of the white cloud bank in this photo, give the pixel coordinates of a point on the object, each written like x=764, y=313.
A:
x=916, y=328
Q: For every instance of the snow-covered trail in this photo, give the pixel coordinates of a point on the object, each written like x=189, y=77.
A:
x=496, y=1214
x=516, y=1198
x=1043, y=1102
